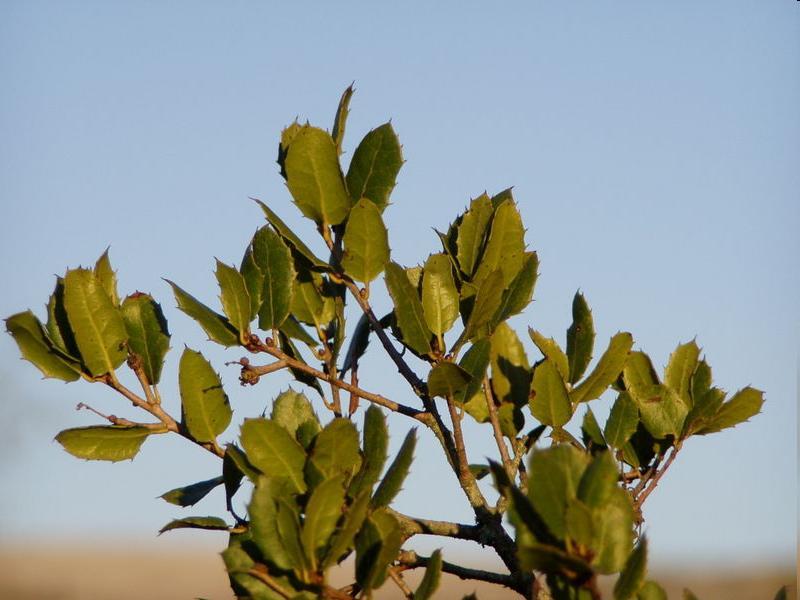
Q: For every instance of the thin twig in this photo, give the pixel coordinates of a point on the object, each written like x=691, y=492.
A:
x=394, y=573
x=411, y=560
x=269, y=582
x=498, y=433
x=467, y=479
x=115, y=420
x=657, y=477
x=416, y=526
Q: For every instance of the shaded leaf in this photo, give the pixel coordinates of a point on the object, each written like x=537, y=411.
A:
x=651, y=591
x=104, y=442
x=580, y=338
x=205, y=407
x=289, y=349
x=148, y=336
x=552, y=351
x=590, y=431
x=376, y=547
x=263, y=513
x=366, y=242
x=430, y=581
x=598, y=480
x=217, y=328
x=308, y=302
x=408, y=311
x=214, y=523
x=487, y=302
x=358, y=344
x=292, y=239
x=58, y=327
x=632, y=576
x=396, y=474
x=291, y=328
x=314, y=178
x=550, y=403
x=376, y=443
x=475, y=362
x=34, y=345
x=273, y=262
x=550, y=559
x=606, y=371
x=520, y=291
x=274, y=452
x=190, y=495
x=239, y=459
x=96, y=323
x=622, y=421
x=472, y=233
x=511, y=372
x=287, y=520
x=375, y=165
x=322, y=513
x=343, y=540
x=447, y=379
x=340, y=120
x=238, y=562
x=557, y=471
x=335, y=452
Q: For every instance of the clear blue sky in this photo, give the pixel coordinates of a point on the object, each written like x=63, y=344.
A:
x=654, y=150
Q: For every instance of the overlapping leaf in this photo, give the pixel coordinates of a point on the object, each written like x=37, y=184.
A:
x=148, y=336
x=206, y=410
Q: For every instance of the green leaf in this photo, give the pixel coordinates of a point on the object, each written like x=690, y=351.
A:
x=557, y=471
x=263, y=514
x=97, y=324
x=273, y=262
x=744, y=404
x=579, y=523
x=287, y=135
x=590, y=431
x=314, y=178
x=580, y=338
x=235, y=299
x=447, y=380
x=292, y=328
x=205, y=407
x=396, y=474
x=293, y=240
x=359, y=341
x=253, y=280
x=322, y=513
x=375, y=165
x=782, y=593
x=274, y=452
x=148, y=336
x=291, y=409
x=366, y=242
x=511, y=372
x=472, y=233
x=505, y=247
x=289, y=349
x=651, y=591
x=599, y=480
x=287, y=520
x=104, y=442
x=475, y=362
x=622, y=421
x=430, y=581
x=343, y=540
x=639, y=374
x=217, y=328
x=190, y=495
x=376, y=547
x=213, y=523
x=520, y=291
x=511, y=419
x=309, y=304
x=232, y=476
x=439, y=294
x=335, y=452
x=376, y=443
x=551, y=351
x=34, y=345
x=632, y=576
x=107, y=277
x=606, y=371
x=487, y=302
x=613, y=525
x=550, y=559
x=661, y=410
x=550, y=403
x=701, y=382
x=340, y=120
x=681, y=366
x=57, y=327
x=239, y=459
x=408, y=310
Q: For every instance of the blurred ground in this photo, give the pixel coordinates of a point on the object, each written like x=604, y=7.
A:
x=91, y=572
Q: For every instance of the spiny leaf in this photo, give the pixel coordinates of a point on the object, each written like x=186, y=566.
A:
x=505, y=247
x=57, y=327
x=447, y=380
x=291, y=409
x=487, y=302
x=206, y=410
x=680, y=368
x=430, y=581
x=511, y=371
x=375, y=165
x=661, y=410
x=309, y=304
x=335, y=452
x=396, y=474
x=557, y=471
x=274, y=452
x=217, y=328
x=580, y=338
x=552, y=351
x=288, y=529
x=744, y=404
x=622, y=421
x=314, y=178
x=439, y=294
x=104, y=442
x=591, y=433
x=292, y=239
x=214, y=523
x=639, y=374
x=273, y=259
x=340, y=120
x=376, y=547
x=343, y=540
x=376, y=442
x=35, y=347
x=190, y=495
x=322, y=512
x=263, y=514
x=472, y=233
x=366, y=242
x=291, y=350
x=107, y=277
x=97, y=324
x=520, y=291
x=632, y=576
x=606, y=371
x=475, y=362
x=550, y=403
x=148, y=336
x=408, y=310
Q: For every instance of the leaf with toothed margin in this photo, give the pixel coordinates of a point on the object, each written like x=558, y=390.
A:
x=520, y=291
x=57, y=327
x=340, y=120
x=487, y=302
x=376, y=443
x=606, y=371
x=552, y=351
x=35, y=347
x=204, y=404
x=217, y=328
x=550, y=403
x=397, y=472
x=408, y=310
x=335, y=452
x=472, y=233
x=322, y=511
x=374, y=167
x=190, y=495
x=107, y=277
x=235, y=299
x=580, y=338
x=104, y=442
x=505, y=246
x=274, y=452
x=622, y=421
x=633, y=573
x=744, y=404
x=680, y=368
x=366, y=242
x=344, y=538
x=213, y=523
x=292, y=239
x=273, y=259
x=148, y=336
x=430, y=581
x=447, y=380
x=439, y=294
x=291, y=409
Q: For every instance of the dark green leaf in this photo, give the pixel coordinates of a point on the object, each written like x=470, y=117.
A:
x=580, y=338
x=309, y=304
x=293, y=240
x=273, y=261
x=292, y=328
x=192, y=494
x=35, y=346
x=606, y=371
x=408, y=310
x=335, y=452
x=375, y=165
x=322, y=513
x=475, y=362
x=376, y=443
x=263, y=514
x=314, y=178
x=505, y=247
x=782, y=593
x=366, y=242
x=447, y=379
x=274, y=452
x=343, y=540
x=613, y=525
x=288, y=528
x=632, y=576
x=550, y=403
x=430, y=581
x=487, y=302
x=557, y=471
x=744, y=404
x=289, y=348
x=57, y=327
x=104, y=442
x=680, y=368
x=622, y=421
x=214, y=523
x=253, y=280
x=97, y=324
x=376, y=547
x=479, y=471
x=396, y=474
x=340, y=120
x=550, y=559
x=148, y=336
x=358, y=344
x=472, y=233
x=238, y=561
x=651, y=591
x=439, y=294
x=291, y=409
x=551, y=351
x=287, y=135
x=599, y=480
x=205, y=407
x=217, y=328
x=701, y=382
x=520, y=290
x=239, y=459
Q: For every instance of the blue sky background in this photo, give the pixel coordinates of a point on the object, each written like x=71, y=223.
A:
x=654, y=150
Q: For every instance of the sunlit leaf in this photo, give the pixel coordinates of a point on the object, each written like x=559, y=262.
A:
x=366, y=242
x=206, y=410
x=104, y=442
x=580, y=338
x=148, y=336
x=375, y=165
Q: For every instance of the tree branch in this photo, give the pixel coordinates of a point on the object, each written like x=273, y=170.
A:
x=498, y=433
x=411, y=560
x=640, y=498
x=411, y=526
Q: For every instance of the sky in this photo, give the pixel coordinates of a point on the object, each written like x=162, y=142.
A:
x=653, y=149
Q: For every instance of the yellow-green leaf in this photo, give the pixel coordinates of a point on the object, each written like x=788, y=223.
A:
x=550, y=403
x=34, y=345
x=217, y=328
x=235, y=299
x=551, y=351
x=408, y=310
x=148, y=336
x=447, y=380
x=375, y=165
x=505, y=247
x=680, y=368
x=366, y=242
x=292, y=239
x=104, y=442
x=206, y=411
x=606, y=371
x=472, y=233
x=439, y=294
x=274, y=452
x=107, y=277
